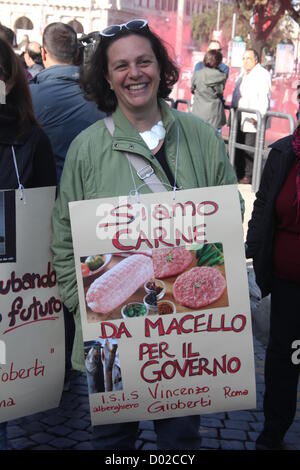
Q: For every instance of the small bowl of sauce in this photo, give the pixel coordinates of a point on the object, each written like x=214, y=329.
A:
x=166, y=307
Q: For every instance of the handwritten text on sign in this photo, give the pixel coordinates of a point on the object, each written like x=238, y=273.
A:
x=31, y=376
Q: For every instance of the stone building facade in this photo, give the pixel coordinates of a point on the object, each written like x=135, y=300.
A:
x=89, y=15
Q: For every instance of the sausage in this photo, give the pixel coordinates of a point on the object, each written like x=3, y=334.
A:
x=115, y=286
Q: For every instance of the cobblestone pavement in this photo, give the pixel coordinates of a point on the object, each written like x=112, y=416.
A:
x=69, y=427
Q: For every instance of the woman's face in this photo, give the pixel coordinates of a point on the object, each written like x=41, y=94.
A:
x=133, y=73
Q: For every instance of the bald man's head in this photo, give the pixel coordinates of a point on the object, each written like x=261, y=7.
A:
x=33, y=54
x=35, y=47
x=214, y=46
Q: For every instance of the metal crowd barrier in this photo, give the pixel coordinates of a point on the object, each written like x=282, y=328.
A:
x=258, y=150
x=263, y=152
x=170, y=101
x=188, y=103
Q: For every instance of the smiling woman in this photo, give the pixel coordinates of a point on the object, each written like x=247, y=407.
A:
x=129, y=75
x=134, y=76
x=132, y=70
x=96, y=80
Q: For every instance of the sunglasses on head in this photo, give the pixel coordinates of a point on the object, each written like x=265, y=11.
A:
x=132, y=25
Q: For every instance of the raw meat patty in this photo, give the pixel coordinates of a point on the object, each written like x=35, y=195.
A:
x=169, y=262
x=199, y=287
x=115, y=286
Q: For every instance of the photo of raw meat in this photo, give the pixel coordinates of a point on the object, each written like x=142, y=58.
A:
x=119, y=283
x=117, y=289
x=199, y=287
x=200, y=282
x=154, y=282
x=169, y=262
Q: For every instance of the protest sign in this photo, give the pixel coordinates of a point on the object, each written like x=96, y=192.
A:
x=164, y=304
x=31, y=321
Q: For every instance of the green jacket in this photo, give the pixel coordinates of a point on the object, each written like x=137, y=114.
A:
x=96, y=167
x=208, y=87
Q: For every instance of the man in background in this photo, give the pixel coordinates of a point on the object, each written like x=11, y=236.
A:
x=58, y=101
x=63, y=113
x=33, y=58
x=253, y=90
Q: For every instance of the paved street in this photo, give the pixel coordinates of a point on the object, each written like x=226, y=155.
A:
x=68, y=427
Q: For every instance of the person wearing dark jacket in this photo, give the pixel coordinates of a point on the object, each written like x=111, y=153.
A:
x=273, y=241
x=26, y=158
x=32, y=148
x=58, y=101
x=63, y=112
x=19, y=131
x=33, y=58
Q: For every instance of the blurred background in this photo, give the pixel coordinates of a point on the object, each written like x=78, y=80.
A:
x=187, y=26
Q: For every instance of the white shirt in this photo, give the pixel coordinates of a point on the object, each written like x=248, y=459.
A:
x=255, y=91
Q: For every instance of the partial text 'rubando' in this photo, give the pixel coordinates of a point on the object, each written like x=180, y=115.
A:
x=31, y=377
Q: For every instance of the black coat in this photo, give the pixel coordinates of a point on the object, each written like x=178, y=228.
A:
x=262, y=226
x=61, y=109
x=34, y=156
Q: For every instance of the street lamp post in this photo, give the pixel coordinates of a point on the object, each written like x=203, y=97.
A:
x=178, y=43
x=233, y=25
x=297, y=52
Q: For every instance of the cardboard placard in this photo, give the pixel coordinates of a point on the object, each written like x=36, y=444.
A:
x=31, y=321
x=192, y=351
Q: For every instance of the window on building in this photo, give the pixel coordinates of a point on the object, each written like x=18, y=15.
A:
x=77, y=26
x=170, y=5
x=23, y=23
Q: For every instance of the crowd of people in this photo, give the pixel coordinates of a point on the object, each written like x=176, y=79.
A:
x=252, y=91
x=61, y=124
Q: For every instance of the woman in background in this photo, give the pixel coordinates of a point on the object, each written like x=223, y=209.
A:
x=20, y=134
x=26, y=158
x=208, y=86
x=273, y=241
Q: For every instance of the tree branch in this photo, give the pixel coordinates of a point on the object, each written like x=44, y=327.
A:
x=241, y=16
x=280, y=12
